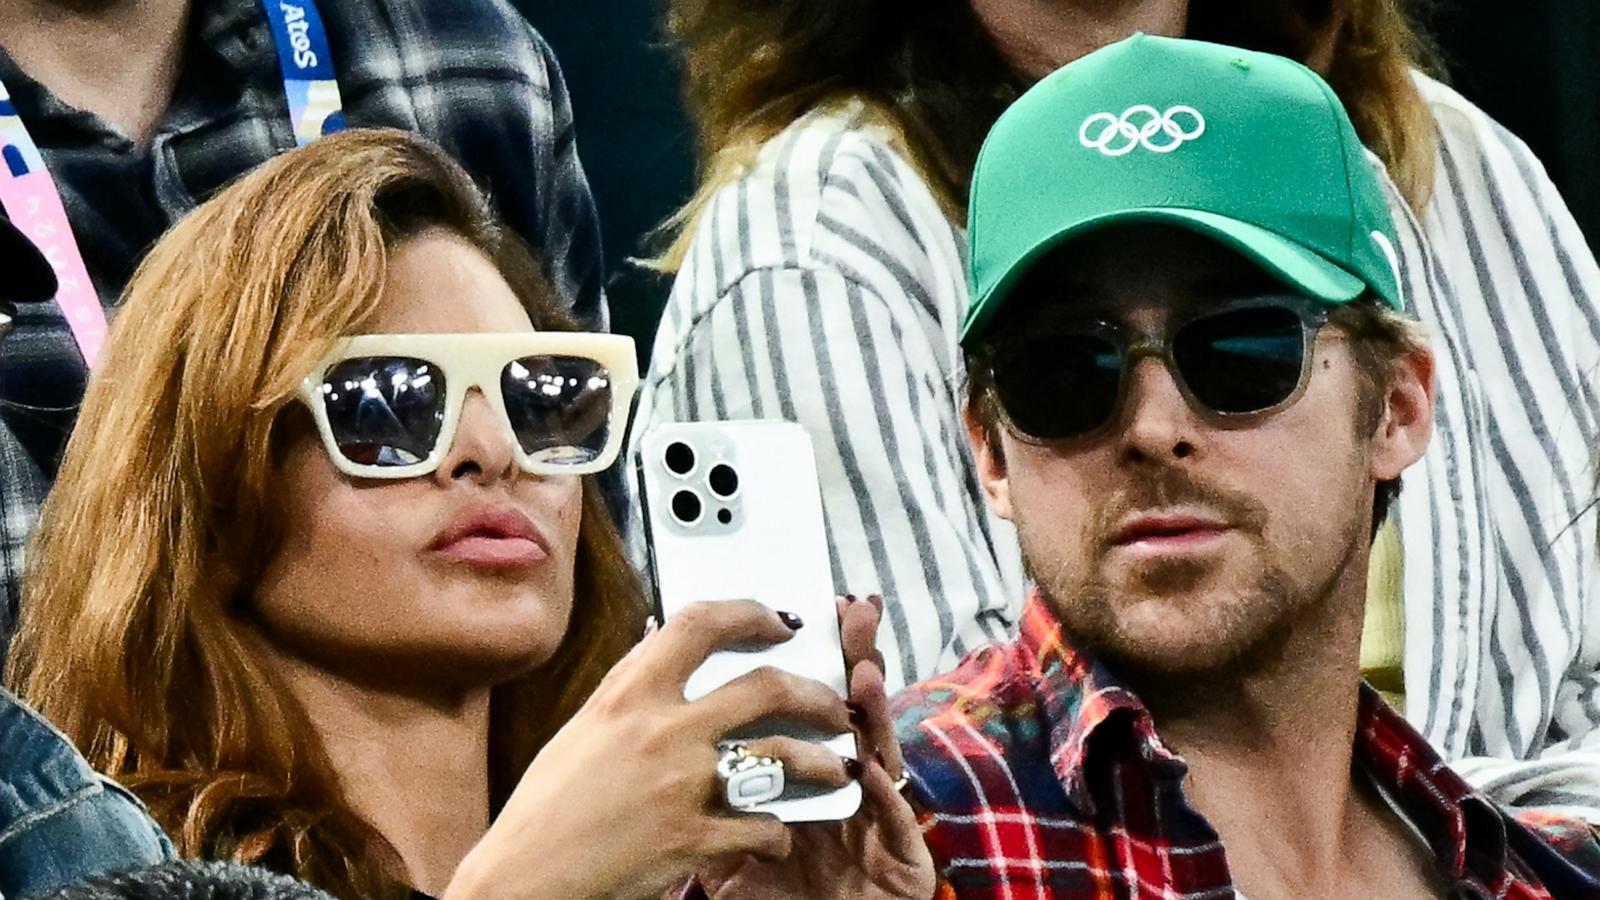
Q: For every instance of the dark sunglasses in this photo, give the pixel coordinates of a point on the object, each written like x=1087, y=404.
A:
x=1245, y=358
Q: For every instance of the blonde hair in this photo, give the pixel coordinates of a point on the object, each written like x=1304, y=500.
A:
x=936, y=83
x=162, y=517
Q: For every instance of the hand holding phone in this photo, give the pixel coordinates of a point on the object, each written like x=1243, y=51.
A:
x=733, y=511
x=615, y=803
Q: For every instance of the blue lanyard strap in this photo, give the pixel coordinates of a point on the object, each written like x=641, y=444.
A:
x=315, y=108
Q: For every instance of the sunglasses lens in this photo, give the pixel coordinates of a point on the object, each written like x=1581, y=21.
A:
x=384, y=411
x=1058, y=386
x=559, y=406
x=1242, y=360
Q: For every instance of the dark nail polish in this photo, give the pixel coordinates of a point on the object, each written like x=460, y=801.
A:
x=852, y=768
x=791, y=620
x=876, y=600
x=850, y=598
x=858, y=716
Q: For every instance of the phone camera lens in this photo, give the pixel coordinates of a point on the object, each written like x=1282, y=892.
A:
x=724, y=480
x=679, y=458
x=725, y=516
x=686, y=507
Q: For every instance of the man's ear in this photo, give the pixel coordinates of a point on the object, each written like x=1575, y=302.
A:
x=1407, y=420
x=991, y=465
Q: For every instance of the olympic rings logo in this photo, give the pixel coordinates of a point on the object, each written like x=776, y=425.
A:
x=1142, y=126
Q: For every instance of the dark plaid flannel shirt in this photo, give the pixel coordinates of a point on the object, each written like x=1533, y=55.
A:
x=470, y=74
x=1039, y=777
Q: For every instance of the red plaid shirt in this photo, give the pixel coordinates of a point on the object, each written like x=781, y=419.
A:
x=1041, y=778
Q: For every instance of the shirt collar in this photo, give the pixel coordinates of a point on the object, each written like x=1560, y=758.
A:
x=1463, y=828
x=1086, y=708
x=1089, y=711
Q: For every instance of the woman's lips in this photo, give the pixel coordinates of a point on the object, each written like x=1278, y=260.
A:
x=493, y=538
x=493, y=552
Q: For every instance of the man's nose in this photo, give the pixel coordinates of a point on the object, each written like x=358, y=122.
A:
x=1157, y=422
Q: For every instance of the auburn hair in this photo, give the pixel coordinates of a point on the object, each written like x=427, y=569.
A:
x=928, y=72
x=161, y=520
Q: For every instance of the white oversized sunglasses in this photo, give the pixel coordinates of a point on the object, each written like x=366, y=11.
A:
x=387, y=405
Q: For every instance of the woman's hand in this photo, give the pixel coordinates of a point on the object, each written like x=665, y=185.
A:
x=878, y=852
x=625, y=800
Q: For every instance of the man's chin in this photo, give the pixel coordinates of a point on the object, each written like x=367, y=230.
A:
x=1162, y=580
x=1189, y=656
x=1196, y=636
x=1176, y=644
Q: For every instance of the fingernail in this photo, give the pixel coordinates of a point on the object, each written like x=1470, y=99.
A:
x=852, y=768
x=791, y=620
x=876, y=600
x=850, y=598
x=858, y=716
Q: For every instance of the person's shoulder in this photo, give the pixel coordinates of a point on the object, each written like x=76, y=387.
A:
x=1468, y=135
x=1564, y=852
x=835, y=140
x=42, y=772
x=38, y=765
x=1449, y=107
x=833, y=175
x=430, y=40
x=59, y=819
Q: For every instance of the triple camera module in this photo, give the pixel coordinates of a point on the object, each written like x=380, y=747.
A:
x=708, y=495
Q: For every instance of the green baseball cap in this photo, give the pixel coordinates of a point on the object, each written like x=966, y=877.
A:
x=1250, y=149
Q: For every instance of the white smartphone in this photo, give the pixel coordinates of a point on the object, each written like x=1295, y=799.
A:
x=734, y=512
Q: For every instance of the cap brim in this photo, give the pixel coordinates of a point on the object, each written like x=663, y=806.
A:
x=28, y=277
x=1296, y=266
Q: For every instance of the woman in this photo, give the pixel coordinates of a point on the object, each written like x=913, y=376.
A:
x=820, y=278
x=327, y=582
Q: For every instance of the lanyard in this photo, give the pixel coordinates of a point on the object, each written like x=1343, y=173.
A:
x=33, y=202
x=314, y=105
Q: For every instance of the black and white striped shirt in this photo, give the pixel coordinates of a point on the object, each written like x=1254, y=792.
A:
x=826, y=287
x=1498, y=524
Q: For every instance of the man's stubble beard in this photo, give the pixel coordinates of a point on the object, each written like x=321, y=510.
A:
x=1256, y=623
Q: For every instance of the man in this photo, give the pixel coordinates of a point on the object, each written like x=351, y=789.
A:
x=59, y=821
x=1193, y=396
x=140, y=110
